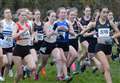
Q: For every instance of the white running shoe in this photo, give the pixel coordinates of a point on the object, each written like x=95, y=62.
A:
x=2, y=79
x=10, y=73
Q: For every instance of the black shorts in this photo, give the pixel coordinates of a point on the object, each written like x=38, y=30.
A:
x=107, y=49
x=92, y=44
x=74, y=43
x=7, y=50
x=37, y=45
x=31, y=46
x=63, y=45
x=47, y=48
x=21, y=51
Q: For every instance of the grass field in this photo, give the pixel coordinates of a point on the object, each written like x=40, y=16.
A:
x=86, y=77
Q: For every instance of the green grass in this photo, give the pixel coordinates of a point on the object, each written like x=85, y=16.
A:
x=86, y=77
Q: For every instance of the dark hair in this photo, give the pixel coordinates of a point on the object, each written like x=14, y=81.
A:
x=95, y=14
x=72, y=10
x=19, y=11
x=7, y=9
x=58, y=10
x=87, y=6
x=110, y=11
x=48, y=14
x=101, y=8
x=35, y=10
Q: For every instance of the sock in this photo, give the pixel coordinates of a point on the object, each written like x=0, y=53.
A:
x=78, y=66
x=73, y=67
x=59, y=69
x=43, y=72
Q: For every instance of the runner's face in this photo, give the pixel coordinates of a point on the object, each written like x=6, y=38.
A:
x=37, y=15
x=7, y=14
x=110, y=16
x=52, y=17
x=62, y=14
x=87, y=11
x=23, y=16
x=97, y=13
x=72, y=15
x=29, y=15
x=104, y=13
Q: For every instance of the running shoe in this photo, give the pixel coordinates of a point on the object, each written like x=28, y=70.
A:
x=60, y=78
x=10, y=73
x=67, y=78
x=36, y=77
x=2, y=79
x=43, y=72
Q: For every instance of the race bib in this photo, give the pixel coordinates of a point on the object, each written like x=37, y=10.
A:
x=71, y=37
x=43, y=49
x=8, y=39
x=104, y=32
x=40, y=36
x=62, y=34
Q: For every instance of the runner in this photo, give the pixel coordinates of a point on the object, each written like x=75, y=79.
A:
x=21, y=53
x=118, y=43
x=38, y=38
x=50, y=40
x=3, y=58
x=29, y=20
x=7, y=28
x=92, y=39
x=64, y=28
x=103, y=47
x=73, y=40
x=84, y=21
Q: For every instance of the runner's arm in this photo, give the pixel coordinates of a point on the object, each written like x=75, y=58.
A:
x=90, y=25
x=71, y=30
x=17, y=33
x=114, y=26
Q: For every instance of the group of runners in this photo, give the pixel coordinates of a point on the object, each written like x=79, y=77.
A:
x=72, y=42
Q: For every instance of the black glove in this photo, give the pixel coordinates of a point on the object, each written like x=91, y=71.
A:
x=1, y=36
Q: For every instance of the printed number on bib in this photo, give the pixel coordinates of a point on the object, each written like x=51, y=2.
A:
x=103, y=32
x=62, y=33
x=8, y=39
x=39, y=36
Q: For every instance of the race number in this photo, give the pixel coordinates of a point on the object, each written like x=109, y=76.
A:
x=8, y=39
x=104, y=32
x=40, y=37
x=62, y=34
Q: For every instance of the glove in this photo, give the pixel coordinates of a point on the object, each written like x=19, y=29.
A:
x=1, y=36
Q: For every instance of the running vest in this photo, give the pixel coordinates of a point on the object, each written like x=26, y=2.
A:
x=63, y=36
x=7, y=34
x=85, y=22
x=24, y=36
x=30, y=23
x=76, y=30
x=75, y=27
x=103, y=32
x=40, y=34
x=52, y=38
x=50, y=27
